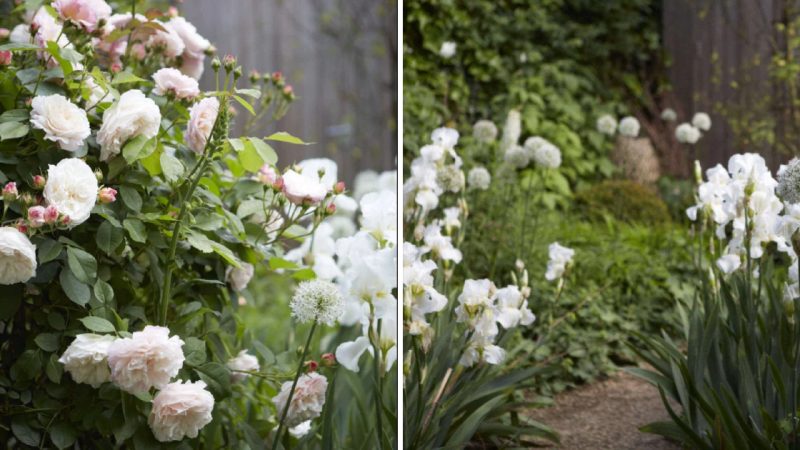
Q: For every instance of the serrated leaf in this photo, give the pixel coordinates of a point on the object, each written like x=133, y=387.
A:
x=135, y=229
x=200, y=242
x=48, y=250
x=104, y=292
x=172, y=167
x=63, y=435
x=82, y=264
x=194, y=351
x=97, y=324
x=76, y=291
x=254, y=93
x=131, y=198
x=125, y=77
x=109, y=237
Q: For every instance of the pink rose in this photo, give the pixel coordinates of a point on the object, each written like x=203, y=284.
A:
x=107, y=195
x=267, y=175
x=51, y=215
x=5, y=57
x=84, y=13
x=301, y=190
x=202, y=117
x=171, y=81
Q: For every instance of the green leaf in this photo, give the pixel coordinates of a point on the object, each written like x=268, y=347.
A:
x=136, y=230
x=48, y=342
x=48, y=250
x=126, y=77
x=109, y=237
x=104, y=292
x=19, y=46
x=15, y=115
x=237, y=144
x=152, y=163
x=195, y=351
x=82, y=264
x=172, y=167
x=255, y=93
x=245, y=104
x=24, y=433
x=54, y=369
x=217, y=377
x=304, y=274
x=280, y=263
x=76, y=291
x=13, y=130
x=138, y=148
x=200, y=242
x=283, y=136
x=131, y=198
x=63, y=435
x=97, y=324
x=250, y=159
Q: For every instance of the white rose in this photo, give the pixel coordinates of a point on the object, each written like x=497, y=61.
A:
x=86, y=358
x=308, y=399
x=312, y=168
x=202, y=117
x=300, y=189
x=172, y=81
x=72, y=188
x=61, y=120
x=169, y=40
x=192, y=66
x=300, y=430
x=132, y=115
x=629, y=126
x=180, y=409
x=17, y=257
x=149, y=358
x=195, y=45
x=242, y=361
x=84, y=13
x=239, y=277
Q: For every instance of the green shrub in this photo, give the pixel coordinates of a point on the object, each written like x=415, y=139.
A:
x=623, y=200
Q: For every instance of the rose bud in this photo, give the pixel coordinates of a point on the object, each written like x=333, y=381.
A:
x=39, y=181
x=215, y=64
x=328, y=359
x=5, y=58
x=116, y=67
x=254, y=76
x=21, y=226
x=267, y=175
x=51, y=215
x=4, y=33
x=339, y=187
x=10, y=191
x=107, y=195
x=311, y=366
x=36, y=216
x=64, y=220
x=278, y=184
x=330, y=209
x=172, y=11
x=229, y=61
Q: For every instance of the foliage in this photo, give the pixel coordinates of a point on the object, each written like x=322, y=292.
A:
x=623, y=200
x=559, y=62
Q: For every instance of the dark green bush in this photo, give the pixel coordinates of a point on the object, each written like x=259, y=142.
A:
x=623, y=200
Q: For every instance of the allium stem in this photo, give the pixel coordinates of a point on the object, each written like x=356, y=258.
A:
x=294, y=385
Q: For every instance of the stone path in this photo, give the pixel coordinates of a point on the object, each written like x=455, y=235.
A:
x=606, y=415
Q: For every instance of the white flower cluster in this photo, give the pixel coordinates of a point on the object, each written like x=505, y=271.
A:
x=628, y=126
x=484, y=131
x=742, y=199
x=560, y=259
x=438, y=163
x=691, y=132
x=537, y=149
x=148, y=359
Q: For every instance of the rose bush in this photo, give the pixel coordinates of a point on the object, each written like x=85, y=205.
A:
x=132, y=226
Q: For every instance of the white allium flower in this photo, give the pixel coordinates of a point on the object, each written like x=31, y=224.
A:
x=729, y=263
x=451, y=178
x=789, y=182
x=560, y=258
x=202, y=117
x=239, y=277
x=607, y=124
x=300, y=430
x=149, y=358
x=516, y=157
x=484, y=131
x=629, y=126
x=479, y=178
x=62, y=121
x=307, y=401
x=86, y=358
x=701, y=121
x=132, y=115
x=547, y=156
x=317, y=300
x=685, y=133
x=512, y=129
x=669, y=115
x=72, y=188
x=448, y=49
x=180, y=409
x=301, y=189
x=172, y=81
x=533, y=143
x=17, y=257
x=445, y=137
x=242, y=361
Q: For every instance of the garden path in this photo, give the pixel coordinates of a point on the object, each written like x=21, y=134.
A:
x=606, y=415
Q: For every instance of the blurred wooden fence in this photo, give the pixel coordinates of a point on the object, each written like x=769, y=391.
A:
x=339, y=56
x=720, y=50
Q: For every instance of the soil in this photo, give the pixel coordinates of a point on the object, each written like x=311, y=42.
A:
x=606, y=415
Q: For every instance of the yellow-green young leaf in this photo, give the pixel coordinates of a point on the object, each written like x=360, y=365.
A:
x=138, y=148
x=283, y=136
x=97, y=324
x=237, y=144
x=226, y=254
x=244, y=103
x=250, y=159
x=152, y=163
x=264, y=150
x=304, y=274
x=126, y=77
x=280, y=263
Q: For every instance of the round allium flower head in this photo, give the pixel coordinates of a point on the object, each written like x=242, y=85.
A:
x=86, y=358
x=180, y=409
x=607, y=124
x=72, y=188
x=484, y=131
x=172, y=81
x=547, y=156
x=629, y=126
x=17, y=257
x=516, y=156
x=149, y=358
x=701, y=121
x=451, y=178
x=479, y=178
x=448, y=49
x=307, y=401
x=445, y=137
x=789, y=182
x=685, y=133
x=62, y=121
x=317, y=300
x=202, y=117
x=132, y=115
x=242, y=361
x=669, y=115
